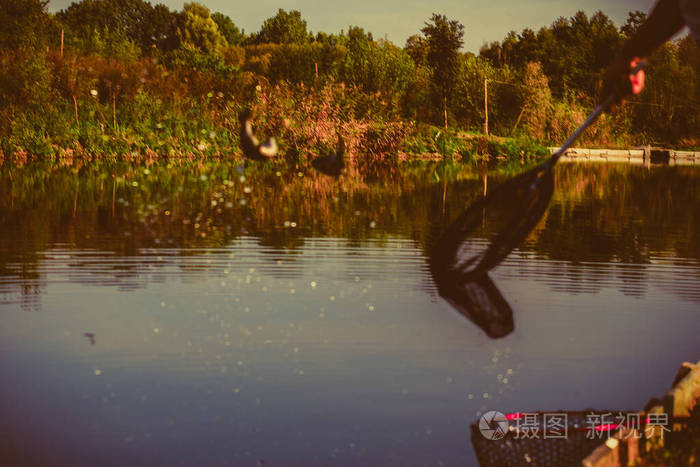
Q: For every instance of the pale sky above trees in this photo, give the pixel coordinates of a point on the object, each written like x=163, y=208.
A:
x=484, y=21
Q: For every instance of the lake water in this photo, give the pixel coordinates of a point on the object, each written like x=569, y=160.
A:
x=211, y=314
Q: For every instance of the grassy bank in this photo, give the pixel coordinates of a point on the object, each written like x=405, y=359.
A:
x=305, y=121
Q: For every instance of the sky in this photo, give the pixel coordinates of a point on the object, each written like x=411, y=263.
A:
x=396, y=20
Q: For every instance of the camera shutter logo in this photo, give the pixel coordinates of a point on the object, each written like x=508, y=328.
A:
x=493, y=425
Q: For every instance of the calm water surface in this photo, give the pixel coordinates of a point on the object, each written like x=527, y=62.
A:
x=224, y=315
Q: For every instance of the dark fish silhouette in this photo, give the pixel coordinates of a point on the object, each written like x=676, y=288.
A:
x=252, y=148
x=332, y=164
x=90, y=336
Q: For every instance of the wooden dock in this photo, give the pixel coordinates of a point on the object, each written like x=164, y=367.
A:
x=642, y=156
x=624, y=448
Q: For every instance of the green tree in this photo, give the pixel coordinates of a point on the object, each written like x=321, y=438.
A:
x=331, y=55
x=416, y=99
x=634, y=20
x=670, y=98
x=358, y=66
x=24, y=79
x=396, y=68
x=199, y=31
x=528, y=48
x=504, y=99
x=107, y=43
x=537, y=101
x=444, y=41
x=160, y=30
x=326, y=39
x=130, y=20
x=468, y=101
x=573, y=52
x=283, y=28
x=24, y=23
x=228, y=29
x=417, y=48
x=606, y=41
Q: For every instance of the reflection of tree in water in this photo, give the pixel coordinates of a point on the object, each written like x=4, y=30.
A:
x=600, y=214
x=622, y=215
x=19, y=264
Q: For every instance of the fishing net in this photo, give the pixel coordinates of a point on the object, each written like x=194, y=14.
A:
x=505, y=216
x=532, y=448
x=480, y=301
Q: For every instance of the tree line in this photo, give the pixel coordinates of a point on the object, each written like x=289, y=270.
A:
x=114, y=72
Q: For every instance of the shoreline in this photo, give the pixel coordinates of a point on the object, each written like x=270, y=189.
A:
x=465, y=148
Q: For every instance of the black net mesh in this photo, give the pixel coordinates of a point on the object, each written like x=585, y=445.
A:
x=510, y=211
x=480, y=301
x=516, y=449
